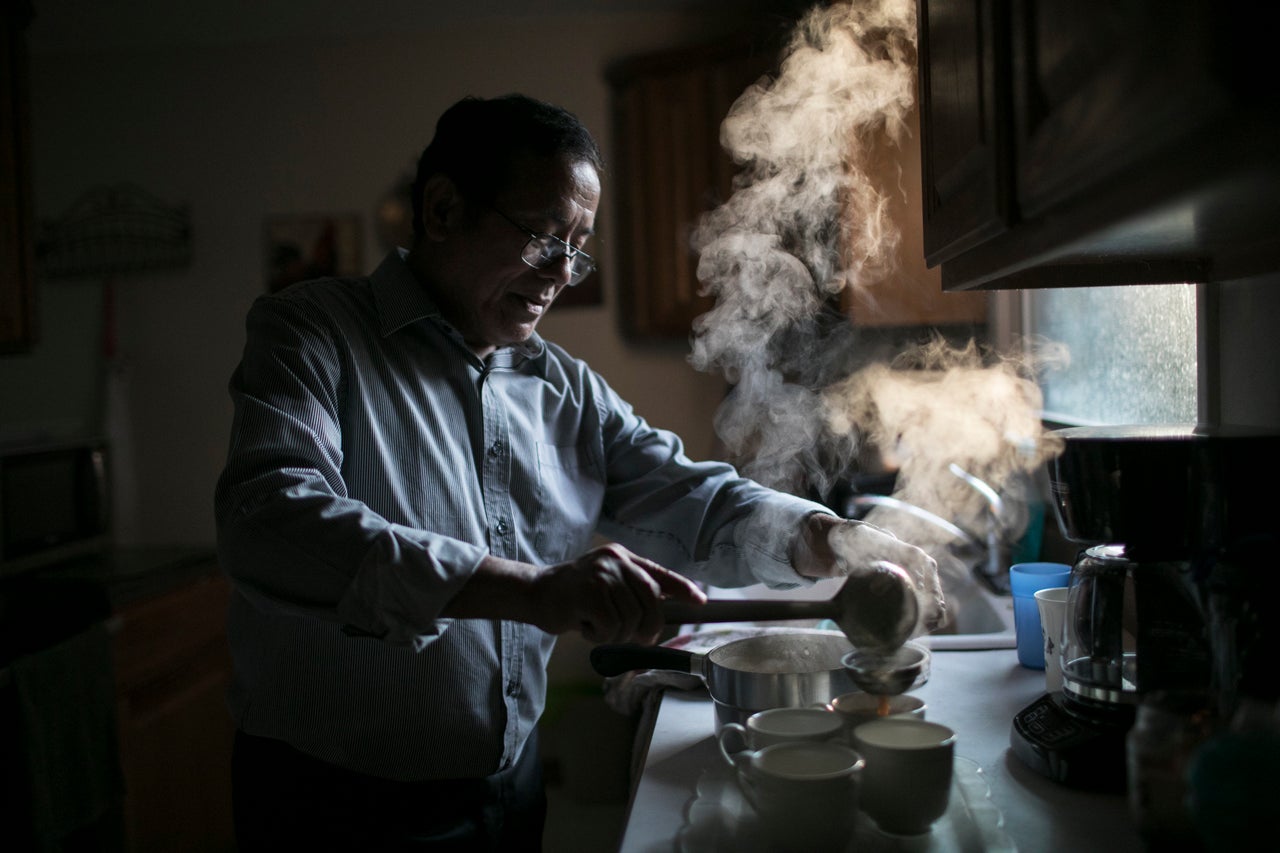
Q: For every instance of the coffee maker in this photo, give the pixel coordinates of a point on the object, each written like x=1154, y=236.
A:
x=1171, y=527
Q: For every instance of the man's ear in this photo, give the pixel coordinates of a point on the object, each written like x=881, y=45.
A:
x=442, y=207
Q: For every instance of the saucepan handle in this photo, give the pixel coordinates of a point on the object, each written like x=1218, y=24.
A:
x=746, y=610
x=611, y=659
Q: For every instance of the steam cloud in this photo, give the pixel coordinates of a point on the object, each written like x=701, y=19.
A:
x=805, y=221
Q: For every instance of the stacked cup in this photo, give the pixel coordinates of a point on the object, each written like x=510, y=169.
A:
x=907, y=781
x=1025, y=579
x=796, y=770
x=807, y=775
x=857, y=708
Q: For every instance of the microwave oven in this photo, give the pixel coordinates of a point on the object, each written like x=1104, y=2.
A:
x=54, y=504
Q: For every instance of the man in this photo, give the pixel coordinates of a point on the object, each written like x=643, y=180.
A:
x=407, y=508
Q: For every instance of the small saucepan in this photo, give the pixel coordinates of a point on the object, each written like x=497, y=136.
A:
x=773, y=670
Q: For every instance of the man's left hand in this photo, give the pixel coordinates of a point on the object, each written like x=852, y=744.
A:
x=833, y=547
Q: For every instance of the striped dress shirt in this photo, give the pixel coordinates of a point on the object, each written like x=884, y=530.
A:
x=374, y=460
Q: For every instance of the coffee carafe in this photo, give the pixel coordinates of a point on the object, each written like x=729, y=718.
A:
x=1131, y=628
x=1099, y=648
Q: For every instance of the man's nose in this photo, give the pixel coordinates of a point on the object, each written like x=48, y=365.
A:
x=559, y=270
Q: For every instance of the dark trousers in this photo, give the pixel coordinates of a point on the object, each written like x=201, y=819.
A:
x=287, y=800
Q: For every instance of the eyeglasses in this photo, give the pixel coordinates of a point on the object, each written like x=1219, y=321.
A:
x=542, y=250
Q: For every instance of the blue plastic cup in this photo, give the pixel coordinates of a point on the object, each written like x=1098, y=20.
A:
x=1024, y=580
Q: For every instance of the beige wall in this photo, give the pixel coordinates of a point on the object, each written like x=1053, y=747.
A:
x=242, y=132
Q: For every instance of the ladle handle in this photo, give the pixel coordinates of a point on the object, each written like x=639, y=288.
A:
x=746, y=610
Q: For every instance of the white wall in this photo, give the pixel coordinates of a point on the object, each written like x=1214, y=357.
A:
x=243, y=131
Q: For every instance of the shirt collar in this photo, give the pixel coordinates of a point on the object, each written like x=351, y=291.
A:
x=402, y=300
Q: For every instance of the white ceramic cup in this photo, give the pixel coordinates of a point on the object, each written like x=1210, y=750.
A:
x=858, y=708
x=779, y=725
x=804, y=792
x=1053, y=610
x=907, y=780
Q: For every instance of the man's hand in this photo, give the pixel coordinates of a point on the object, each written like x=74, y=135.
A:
x=831, y=547
x=610, y=594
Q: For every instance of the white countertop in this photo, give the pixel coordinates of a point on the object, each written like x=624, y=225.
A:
x=974, y=692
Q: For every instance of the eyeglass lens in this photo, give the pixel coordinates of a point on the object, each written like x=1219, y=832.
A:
x=542, y=250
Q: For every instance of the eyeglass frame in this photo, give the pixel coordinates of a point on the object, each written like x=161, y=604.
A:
x=566, y=250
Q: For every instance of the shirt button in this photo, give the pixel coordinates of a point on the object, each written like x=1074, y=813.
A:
x=495, y=449
x=501, y=527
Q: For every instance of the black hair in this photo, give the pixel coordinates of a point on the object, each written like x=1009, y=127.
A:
x=477, y=139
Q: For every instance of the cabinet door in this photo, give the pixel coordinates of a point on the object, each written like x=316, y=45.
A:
x=964, y=139
x=1097, y=93
x=172, y=670
x=17, y=298
x=1141, y=142
x=671, y=170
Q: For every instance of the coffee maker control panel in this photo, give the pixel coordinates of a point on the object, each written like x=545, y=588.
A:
x=1067, y=748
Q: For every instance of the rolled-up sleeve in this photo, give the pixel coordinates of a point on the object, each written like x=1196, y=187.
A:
x=289, y=533
x=700, y=518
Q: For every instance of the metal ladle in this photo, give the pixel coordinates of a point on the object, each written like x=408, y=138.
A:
x=875, y=607
x=886, y=673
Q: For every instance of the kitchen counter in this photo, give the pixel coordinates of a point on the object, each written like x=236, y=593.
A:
x=42, y=607
x=974, y=692
x=129, y=574
x=113, y=675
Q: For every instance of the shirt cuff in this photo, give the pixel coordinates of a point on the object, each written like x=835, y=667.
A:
x=404, y=582
x=769, y=534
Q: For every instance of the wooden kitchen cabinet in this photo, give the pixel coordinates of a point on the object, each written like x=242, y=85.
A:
x=1117, y=143
x=172, y=669
x=966, y=138
x=671, y=169
x=17, y=258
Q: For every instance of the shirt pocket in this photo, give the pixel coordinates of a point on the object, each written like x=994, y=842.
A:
x=570, y=496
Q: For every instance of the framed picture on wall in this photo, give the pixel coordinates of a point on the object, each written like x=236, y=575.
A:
x=311, y=246
x=589, y=292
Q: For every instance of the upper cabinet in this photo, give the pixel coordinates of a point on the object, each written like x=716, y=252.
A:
x=17, y=296
x=1128, y=142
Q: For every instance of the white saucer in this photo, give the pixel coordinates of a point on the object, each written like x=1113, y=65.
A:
x=720, y=820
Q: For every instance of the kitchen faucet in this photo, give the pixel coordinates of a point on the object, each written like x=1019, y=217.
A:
x=991, y=571
x=921, y=513
x=994, y=573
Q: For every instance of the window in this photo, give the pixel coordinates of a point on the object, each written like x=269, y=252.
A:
x=1132, y=353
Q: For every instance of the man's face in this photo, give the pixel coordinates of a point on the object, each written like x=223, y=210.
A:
x=490, y=294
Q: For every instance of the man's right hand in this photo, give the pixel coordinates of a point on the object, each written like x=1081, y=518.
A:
x=610, y=594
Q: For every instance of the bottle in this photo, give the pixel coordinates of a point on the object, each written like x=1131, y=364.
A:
x=1169, y=728
x=1233, y=780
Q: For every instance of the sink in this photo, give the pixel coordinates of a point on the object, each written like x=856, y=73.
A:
x=980, y=619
